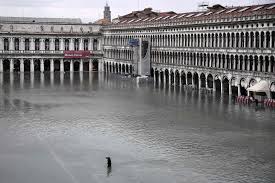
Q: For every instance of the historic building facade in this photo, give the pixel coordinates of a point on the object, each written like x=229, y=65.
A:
x=49, y=44
x=225, y=49
x=222, y=49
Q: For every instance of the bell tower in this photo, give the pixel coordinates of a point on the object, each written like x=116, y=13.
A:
x=107, y=12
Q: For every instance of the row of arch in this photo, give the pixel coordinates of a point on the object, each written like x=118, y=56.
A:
x=118, y=68
x=250, y=39
x=48, y=65
x=48, y=44
x=216, y=82
x=119, y=54
x=222, y=61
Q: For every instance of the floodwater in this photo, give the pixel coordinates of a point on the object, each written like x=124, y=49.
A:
x=59, y=128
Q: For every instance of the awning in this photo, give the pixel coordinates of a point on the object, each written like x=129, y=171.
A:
x=261, y=86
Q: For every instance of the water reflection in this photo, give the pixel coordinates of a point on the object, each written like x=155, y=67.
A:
x=154, y=132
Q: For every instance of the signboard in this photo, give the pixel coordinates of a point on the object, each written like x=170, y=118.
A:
x=77, y=54
x=134, y=42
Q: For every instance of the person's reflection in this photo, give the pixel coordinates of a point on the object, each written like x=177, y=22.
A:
x=109, y=171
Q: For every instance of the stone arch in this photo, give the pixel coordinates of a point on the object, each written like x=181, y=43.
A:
x=226, y=85
x=166, y=73
x=210, y=81
x=95, y=65
x=177, y=77
x=56, y=66
x=76, y=66
x=243, y=86
x=195, y=80
x=66, y=65
x=123, y=69
x=16, y=65
x=6, y=65
x=234, y=86
x=217, y=84
x=27, y=65
x=189, y=78
x=252, y=82
x=47, y=65
x=86, y=65
x=272, y=90
x=37, y=65
x=183, y=78
x=127, y=68
x=203, y=80
x=172, y=77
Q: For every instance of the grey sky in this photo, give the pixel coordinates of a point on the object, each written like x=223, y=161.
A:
x=91, y=10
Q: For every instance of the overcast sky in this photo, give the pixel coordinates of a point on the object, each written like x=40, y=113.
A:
x=91, y=10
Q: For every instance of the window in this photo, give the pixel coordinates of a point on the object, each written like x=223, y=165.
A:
x=47, y=44
x=67, y=43
x=76, y=44
x=16, y=44
x=6, y=44
x=27, y=44
x=56, y=45
x=86, y=44
x=37, y=44
x=95, y=44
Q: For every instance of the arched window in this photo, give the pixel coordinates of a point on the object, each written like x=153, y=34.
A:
x=27, y=44
x=6, y=44
x=76, y=44
x=95, y=44
x=56, y=44
x=67, y=44
x=86, y=42
x=16, y=44
x=47, y=44
x=37, y=44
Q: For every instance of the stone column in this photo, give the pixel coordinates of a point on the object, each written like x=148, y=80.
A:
x=230, y=87
x=31, y=65
x=90, y=44
x=42, y=44
x=71, y=44
x=62, y=44
x=61, y=65
x=206, y=83
x=90, y=65
x=11, y=66
x=22, y=65
x=222, y=87
x=21, y=44
x=199, y=82
x=214, y=85
x=51, y=65
x=1, y=65
x=159, y=77
x=1, y=43
x=239, y=89
x=42, y=65
x=71, y=66
x=32, y=46
x=180, y=79
x=81, y=44
x=269, y=65
x=11, y=44
x=52, y=46
x=81, y=65
x=186, y=80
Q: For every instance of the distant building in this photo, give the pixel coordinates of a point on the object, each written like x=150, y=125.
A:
x=107, y=13
x=224, y=49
